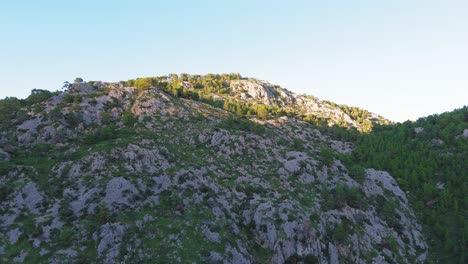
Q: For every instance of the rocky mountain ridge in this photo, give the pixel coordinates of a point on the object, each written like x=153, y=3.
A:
x=137, y=171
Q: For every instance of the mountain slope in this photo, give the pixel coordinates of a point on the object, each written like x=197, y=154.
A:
x=176, y=169
x=429, y=159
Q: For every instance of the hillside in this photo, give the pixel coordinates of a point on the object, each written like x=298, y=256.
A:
x=429, y=160
x=204, y=169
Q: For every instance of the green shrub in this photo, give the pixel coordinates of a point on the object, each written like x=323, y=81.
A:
x=38, y=96
x=8, y=108
x=326, y=156
x=100, y=134
x=128, y=118
x=298, y=144
x=68, y=98
x=106, y=118
x=340, y=234
x=262, y=112
x=358, y=173
x=242, y=124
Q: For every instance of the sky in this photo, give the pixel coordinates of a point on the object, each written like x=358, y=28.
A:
x=400, y=59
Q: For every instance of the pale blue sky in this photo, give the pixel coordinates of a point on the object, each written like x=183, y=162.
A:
x=400, y=59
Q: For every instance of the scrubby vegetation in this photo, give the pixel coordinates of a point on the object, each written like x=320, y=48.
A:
x=242, y=146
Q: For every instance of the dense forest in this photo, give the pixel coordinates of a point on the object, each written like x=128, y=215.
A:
x=429, y=159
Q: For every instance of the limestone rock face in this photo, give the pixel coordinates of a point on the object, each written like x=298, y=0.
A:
x=257, y=91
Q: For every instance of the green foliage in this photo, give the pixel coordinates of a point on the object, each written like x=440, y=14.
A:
x=143, y=83
x=106, y=118
x=351, y=196
x=419, y=166
x=128, y=118
x=311, y=259
x=68, y=98
x=77, y=98
x=340, y=235
x=262, y=112
x=5, y=167
x=55, y=114
x=100, y=134
x=73, y=118
x=298, y=144
x=392, y=243
x=357, y=172
x=326, y=156
x=234, y=123
x=362, y=117
x=38, y=96
x=8, y=109
x=343, y=195
x=5, y=190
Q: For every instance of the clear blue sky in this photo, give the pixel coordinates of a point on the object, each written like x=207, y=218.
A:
x=401, y=59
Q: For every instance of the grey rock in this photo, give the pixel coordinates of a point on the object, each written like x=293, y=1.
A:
x=20, y=258
x=219, y=137
x=377, y=179
x=13, y=236
x=119, y=191
x=237, y=257
x=465, y=133
x=30, y=124
x=437, y=142
x=162, y=183
x=83, y=200
x=215, y=258
x=333, y=254
x=68, y=252
x=110, y=236
x=30, y=197
x=259, y=91
x=211, y=236
x=440, y=185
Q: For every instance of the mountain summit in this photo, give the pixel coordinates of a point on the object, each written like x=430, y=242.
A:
x=195, y=169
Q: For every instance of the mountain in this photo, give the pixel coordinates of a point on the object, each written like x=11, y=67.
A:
x=204, y=169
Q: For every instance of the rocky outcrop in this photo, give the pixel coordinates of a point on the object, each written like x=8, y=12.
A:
x=258, y=91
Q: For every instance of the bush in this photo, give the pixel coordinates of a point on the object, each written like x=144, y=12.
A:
x=340, y=234
x=262, y=112
x=128, y=118
x=100, y=134
x=298, y=144
x=38, y=96
x=8, y=108
x=143, y=83
x=242, y=124
x=344, y=195
x=68, y=98
x=55, y=114
x=358, y=173
x=326, y=156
